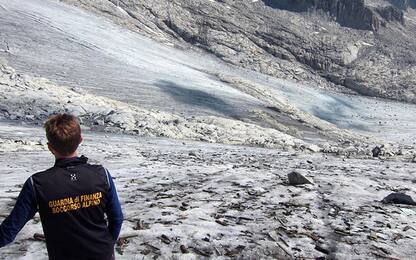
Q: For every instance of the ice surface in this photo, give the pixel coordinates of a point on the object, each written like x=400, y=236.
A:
x=385, y=119
x=215, y=198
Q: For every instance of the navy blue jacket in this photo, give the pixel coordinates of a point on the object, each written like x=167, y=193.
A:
x=27, y=203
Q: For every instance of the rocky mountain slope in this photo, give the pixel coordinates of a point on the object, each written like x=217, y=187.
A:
x=366, y=47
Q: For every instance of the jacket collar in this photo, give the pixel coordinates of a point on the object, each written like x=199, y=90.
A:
x=66, y=162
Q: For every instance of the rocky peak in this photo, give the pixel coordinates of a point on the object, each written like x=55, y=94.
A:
x=357, y=14
x=404, y=4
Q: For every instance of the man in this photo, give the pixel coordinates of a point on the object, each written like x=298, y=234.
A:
x=72, y=198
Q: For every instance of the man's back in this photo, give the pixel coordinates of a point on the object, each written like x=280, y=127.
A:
x=72, y=197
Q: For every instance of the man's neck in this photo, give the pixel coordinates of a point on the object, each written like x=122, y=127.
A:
x=57, y=157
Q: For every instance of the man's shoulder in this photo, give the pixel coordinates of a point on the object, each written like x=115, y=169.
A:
x=96, y=167
x=42, y=173
x=100, y=171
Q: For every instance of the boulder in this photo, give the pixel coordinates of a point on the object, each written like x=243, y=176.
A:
x=376, y=151
x=295, y=178
x=398, y=198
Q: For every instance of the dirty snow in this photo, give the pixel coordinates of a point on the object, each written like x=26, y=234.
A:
x=221, y=200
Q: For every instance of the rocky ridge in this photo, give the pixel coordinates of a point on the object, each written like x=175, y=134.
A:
x=357, y=14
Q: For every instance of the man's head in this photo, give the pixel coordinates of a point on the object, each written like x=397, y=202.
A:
x=64, y=135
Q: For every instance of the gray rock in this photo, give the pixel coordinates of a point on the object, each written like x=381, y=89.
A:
x=398, y=198
x=295, y=178
x=376, y=151
x=99, y=122
x=192, y=154
x=30, y=117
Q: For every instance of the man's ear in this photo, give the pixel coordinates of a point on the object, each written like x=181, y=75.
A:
x=51, y=149
x=81, y=139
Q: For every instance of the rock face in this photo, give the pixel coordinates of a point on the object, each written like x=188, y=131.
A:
x=404, y=4
x=350, y=13
x=357, y=14
x=354, y=46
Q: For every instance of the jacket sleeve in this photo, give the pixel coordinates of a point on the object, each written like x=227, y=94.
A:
x=24, y=209
x=113, y=209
